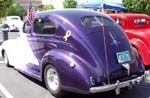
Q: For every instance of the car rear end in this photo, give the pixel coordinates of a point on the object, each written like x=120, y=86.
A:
x=112, y=49
x=14, y=23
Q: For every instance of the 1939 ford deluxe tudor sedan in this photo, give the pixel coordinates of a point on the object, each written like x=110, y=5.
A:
x=75, y=50
x=137, y=29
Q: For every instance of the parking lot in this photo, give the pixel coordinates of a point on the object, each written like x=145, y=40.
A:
x=14, y=84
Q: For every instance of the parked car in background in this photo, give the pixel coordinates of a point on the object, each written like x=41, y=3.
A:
x=75, y=51
x=15, y=23
x=137, y=29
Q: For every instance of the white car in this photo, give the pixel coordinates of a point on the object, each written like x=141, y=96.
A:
x=15, y=23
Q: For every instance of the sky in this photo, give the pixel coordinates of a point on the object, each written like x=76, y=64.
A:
x=58, y=3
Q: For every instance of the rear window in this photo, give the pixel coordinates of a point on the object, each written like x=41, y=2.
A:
x=95, y=21
x=14, y=19
x=9, y=18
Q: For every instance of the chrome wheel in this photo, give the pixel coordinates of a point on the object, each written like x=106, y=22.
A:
x=52, y=79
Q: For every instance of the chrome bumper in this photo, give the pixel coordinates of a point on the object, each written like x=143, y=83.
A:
x=116, y=86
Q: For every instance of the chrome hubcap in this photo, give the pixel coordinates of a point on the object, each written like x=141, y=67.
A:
x=52, y=79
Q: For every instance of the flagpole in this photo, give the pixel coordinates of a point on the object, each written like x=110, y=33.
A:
x=30, y=13
x=29, y=3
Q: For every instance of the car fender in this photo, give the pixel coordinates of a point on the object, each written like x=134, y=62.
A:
x=9, y=47
x=142, y=49
x=73, y=71
x=19, y=52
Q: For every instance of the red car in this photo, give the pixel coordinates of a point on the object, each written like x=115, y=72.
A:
x=137, y=29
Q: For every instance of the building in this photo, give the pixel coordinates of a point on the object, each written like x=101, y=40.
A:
x=26, y=2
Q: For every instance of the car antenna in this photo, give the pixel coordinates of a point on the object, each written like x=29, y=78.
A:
x=105, y=46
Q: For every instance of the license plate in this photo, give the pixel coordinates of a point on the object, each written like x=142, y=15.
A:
x=123, y=56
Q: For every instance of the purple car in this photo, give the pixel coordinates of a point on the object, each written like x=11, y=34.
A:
x=75, y=51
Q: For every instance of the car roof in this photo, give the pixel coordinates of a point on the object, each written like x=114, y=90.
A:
x=129, y=15
x=12, y=17
x=71, y=13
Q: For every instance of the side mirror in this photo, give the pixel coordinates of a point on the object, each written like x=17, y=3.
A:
x=4, y=28
x=26, y=28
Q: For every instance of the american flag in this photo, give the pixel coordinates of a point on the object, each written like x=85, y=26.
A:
x=30, y=14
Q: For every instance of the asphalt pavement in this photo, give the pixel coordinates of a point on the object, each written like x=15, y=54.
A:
x=14, y=84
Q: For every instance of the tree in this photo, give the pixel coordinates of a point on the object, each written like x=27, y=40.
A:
x=4, y=7
x=48, y=7
x=17, y=10
x=70, y=3
x=137, y=6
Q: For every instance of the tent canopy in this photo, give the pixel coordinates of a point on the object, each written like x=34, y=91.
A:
x=106, y=4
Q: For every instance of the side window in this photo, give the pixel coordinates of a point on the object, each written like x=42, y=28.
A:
x=44, y=26
x=139, y=21
x=38, y=23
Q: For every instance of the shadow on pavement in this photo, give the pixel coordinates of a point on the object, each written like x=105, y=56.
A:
x=140, y=91
x=33, y=80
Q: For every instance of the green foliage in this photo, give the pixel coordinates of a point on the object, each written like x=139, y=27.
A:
x=48, y=7
x=70, y=3
x=16, y=10
x=4, y=7
x=36, y=7
x=137, y=6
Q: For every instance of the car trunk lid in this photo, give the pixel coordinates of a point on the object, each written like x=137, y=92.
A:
x=113, y=51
